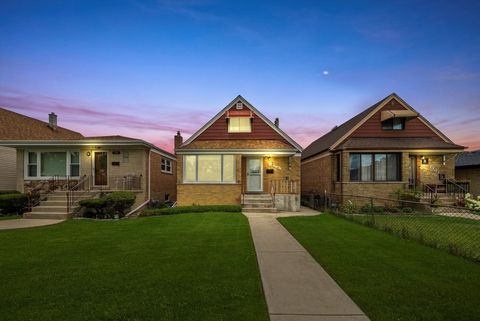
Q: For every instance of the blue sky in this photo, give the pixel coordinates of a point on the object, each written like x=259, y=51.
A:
x=148, y=68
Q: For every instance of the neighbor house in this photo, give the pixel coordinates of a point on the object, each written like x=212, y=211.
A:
x=387, y=147
x=51, y=157
x=239, y=157
x=467, y=168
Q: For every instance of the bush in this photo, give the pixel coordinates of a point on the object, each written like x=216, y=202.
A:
x=9, y=192
x=407, y=210
x=378, y=209
x=119, y=202
x=366, y=209
x=408, y=195
x=349, y=208
x=108, y=206
x=94, y=207
x=193, y=209
x=15, y=203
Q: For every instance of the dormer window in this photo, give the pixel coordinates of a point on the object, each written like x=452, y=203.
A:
x=239, y=125
x=394, y=124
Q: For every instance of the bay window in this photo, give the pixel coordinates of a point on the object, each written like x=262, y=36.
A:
x=375, y=167
x=46, y=164
x=209, y=169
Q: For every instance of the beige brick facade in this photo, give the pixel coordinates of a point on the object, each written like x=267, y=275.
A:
x=209, y=194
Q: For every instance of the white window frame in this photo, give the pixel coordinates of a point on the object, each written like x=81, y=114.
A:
x=240, y=131
x=221, y=169
x=39, y=163
x=167, y=163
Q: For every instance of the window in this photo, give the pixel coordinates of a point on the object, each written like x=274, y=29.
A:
x=375, y=167
x=239, y=125
x=52, y=163
x=74, y=164
x=166, y=165
x=209, y=169
x=126, y=156
x=394, y=124
x=32, y=164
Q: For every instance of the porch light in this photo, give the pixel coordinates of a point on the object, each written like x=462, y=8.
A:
x=444, y=160
x=424, y=160
x=88, y=154
x=269, y=161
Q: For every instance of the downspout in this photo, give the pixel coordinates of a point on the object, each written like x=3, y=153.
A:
x=149, y=173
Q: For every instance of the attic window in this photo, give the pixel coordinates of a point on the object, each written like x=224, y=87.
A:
x=239, y=105
x=239, y=125
x=394, y=124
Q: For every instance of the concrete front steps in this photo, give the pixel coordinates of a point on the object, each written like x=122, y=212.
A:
x=54, y=206
x=258, y=203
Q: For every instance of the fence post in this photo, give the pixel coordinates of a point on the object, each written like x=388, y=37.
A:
x=325, y=201
x=371, y=210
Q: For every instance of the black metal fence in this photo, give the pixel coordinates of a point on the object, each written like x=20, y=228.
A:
x=455, y=229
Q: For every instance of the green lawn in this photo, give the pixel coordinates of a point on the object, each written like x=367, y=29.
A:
x=179, y=267
x=10, y=217
x=388, y=277
x=461, y=236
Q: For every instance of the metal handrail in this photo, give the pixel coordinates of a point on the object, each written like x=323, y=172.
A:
x=457, y=189
x=432, y=193
x=72, y=192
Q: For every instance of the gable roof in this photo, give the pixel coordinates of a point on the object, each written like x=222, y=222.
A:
x=339, y=134
x=252, y=108
x=468, y=159
x=20, y=130
x=16, y=126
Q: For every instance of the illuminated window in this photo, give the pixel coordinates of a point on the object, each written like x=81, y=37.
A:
x=239, y=125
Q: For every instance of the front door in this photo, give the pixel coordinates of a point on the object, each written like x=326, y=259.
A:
x=254, y=175
x=100, y=168
x=412, y=179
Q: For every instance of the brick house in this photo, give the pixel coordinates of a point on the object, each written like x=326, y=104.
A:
x=467, y=168
x=239, y=156
x=48, y=155
x=386, y=147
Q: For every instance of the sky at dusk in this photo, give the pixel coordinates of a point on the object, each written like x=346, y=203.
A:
x=146, y=69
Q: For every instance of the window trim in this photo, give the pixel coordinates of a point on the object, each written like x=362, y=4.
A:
x=374, y=180
x=239, y=131
x=394, y=129
x=221, y=169
x=39, y=163
x=163, y=163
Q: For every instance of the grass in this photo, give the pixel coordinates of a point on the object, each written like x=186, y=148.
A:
x=388, y=277
x=9, y=217
x=460, y=236
x=180, y=267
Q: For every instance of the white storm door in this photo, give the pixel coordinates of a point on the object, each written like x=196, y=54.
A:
x=254, y=175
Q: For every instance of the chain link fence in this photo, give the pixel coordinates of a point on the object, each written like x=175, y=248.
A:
x=452, y=228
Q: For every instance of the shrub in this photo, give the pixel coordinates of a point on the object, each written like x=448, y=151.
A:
x=378, y=209
x=407, y=210
x=408, y=195
x=9, y=192
x=349, y=208
x=13, y=203
x=192, y=209
x=365, y=209
x=107, y=206
x=94, y=207
x=119, y=202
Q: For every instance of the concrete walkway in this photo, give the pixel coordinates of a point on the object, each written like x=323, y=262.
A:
x=25, y=223
x=296, y=287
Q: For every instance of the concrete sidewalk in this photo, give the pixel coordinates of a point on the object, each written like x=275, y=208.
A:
x=25, y=223
x=296, y=286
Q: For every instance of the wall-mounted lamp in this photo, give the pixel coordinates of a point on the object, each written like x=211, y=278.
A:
x=269, y=161
x=424, y=160
x=88, y=154
x=444, y=160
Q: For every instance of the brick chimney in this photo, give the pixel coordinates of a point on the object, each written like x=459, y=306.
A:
x=52, y=121
x=277, y=122
x=178, y=140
